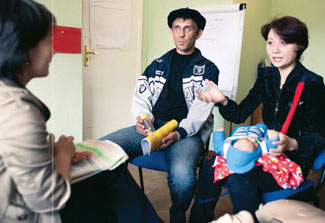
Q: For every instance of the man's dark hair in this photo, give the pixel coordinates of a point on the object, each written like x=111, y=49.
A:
x=23, y=24
x=291, y=30
x=186, y=13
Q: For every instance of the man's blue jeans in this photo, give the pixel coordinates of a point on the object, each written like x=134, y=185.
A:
x=181, y=158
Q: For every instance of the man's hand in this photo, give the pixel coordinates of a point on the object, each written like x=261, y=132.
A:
x=285, y=143
x=140, y=127
x=169, y=139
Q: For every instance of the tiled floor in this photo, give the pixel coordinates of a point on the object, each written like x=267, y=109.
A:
x=157, y=191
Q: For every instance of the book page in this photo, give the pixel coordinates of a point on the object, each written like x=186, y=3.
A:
x=106, y=155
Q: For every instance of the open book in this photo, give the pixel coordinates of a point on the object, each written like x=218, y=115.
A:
x=153, y=140
x=106, y=155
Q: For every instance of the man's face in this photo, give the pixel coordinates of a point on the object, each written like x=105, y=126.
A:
x=185, y=34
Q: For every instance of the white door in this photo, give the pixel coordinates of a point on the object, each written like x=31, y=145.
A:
x=109, y=80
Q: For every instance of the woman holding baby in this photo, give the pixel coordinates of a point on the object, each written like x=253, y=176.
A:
x=286, y=39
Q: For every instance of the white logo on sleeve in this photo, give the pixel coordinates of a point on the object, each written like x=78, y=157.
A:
x=199, y=69
x=142, y=88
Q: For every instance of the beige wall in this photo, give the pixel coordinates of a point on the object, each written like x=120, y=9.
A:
x=61, y=91
x=311, y=12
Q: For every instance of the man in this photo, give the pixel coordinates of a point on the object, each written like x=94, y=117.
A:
x=165, y=91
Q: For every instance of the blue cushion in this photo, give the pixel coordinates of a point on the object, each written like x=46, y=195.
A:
x=285, y=193
x=154, y=161
x=319, y=161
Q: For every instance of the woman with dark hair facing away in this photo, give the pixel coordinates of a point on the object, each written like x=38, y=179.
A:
x=35, y=185
x=286, y=39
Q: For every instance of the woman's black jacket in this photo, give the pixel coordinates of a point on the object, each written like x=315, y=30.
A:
x=308, y=123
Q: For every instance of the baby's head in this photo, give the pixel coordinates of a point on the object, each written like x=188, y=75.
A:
x=242, y=154
x=246, y=143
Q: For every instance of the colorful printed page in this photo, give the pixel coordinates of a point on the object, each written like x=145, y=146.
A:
x=106, y=155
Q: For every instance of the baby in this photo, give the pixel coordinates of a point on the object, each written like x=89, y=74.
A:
x=245, y=146
x=249, y=146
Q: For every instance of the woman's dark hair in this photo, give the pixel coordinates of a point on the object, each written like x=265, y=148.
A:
x=23, y=24
x=291, y=30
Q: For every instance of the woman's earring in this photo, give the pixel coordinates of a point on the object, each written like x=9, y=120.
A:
x=24, y=72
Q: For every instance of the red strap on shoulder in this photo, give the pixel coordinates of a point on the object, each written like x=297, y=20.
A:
x=293, y=107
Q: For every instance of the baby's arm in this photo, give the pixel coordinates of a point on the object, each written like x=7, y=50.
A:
x=218, y=138
x=272, y=136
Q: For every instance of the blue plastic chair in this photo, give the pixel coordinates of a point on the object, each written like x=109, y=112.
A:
x=154, y=161
x=307, y=191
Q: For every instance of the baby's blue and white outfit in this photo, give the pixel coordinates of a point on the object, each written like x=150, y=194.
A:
x=239, y=161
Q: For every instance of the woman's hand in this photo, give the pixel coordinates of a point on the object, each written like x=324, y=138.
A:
x=79, y=156
x=285, y=143
x=212, y=95
x=64, y=147
x=64, y=150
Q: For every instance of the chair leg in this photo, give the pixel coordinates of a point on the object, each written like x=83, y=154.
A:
x=141, y=179
x=316, y=201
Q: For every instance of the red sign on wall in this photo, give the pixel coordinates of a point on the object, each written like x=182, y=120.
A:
x=66, y=39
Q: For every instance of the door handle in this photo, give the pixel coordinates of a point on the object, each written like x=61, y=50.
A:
x=87, y=52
